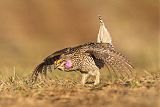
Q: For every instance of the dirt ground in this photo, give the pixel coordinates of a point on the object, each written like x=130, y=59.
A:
x=143, y=91
x=30, y=30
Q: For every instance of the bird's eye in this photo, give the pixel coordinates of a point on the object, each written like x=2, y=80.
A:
x=59, y=61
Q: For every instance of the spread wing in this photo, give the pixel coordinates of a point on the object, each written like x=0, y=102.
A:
x=45, y=65
x=114, y=60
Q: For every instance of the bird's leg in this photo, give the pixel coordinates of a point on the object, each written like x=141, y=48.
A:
x=95, y=73
x=97, y=80
x=84, y=78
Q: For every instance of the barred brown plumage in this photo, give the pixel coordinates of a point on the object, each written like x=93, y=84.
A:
x=88, y=59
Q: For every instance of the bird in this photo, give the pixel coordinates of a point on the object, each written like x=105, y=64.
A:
x=88, y=58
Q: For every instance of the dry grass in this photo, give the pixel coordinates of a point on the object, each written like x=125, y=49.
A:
x=31, y=30
x=65, y=91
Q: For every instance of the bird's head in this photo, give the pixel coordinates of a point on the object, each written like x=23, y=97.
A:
x=63, y=64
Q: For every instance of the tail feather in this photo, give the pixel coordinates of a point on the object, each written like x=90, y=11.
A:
x=103, y=34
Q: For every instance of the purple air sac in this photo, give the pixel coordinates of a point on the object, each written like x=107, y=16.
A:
x=68, y=64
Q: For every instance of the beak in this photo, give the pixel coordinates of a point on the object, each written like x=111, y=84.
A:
x=55, y=65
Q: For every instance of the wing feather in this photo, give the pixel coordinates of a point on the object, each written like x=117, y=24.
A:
x=114, y=60
x=43, y=67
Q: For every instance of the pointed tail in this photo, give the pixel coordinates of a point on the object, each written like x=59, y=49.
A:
x=103, y=35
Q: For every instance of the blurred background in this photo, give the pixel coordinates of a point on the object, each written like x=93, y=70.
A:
x=30, y=30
